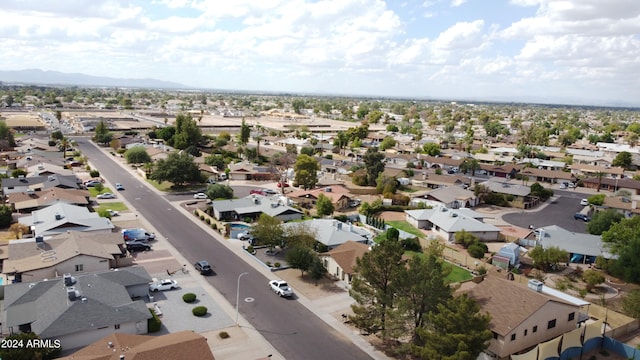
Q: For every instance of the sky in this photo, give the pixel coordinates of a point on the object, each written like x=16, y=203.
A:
x=557, y=51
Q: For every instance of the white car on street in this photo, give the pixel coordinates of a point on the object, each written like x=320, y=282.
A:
x=164, y=284
x=281, y=288
x=584, y=202
x=112, y=212
x=200, y=196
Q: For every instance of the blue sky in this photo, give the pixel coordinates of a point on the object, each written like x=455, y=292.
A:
x=559, y=51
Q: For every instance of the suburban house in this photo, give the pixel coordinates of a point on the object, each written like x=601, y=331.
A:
x=252, y=206
x=338, y=194
x=442, y=162
x=624, y=205
x=25, y=202
x=160, y=152
x=609, y=184
x=447, y=222
x=72, y=252
x=46, y=169
x=332, y=233
x=504, y=171
x=524, y=316
x=38, y=183
x=582, y=248
x=435, y=181
x=453, y=197
x=547, y=175
x=80, y=310
x=248, y=171
x=519, y=193
x=180, y=345
x=589, y=157
x=61, y=217
x=341, y=260
x=592, y=170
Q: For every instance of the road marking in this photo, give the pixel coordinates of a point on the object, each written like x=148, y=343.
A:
x=249, y=300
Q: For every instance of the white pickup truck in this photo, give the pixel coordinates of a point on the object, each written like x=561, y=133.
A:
x=281, y=288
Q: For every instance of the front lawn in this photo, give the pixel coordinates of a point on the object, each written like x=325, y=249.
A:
x=117, y=206
x=94, y=192
x=405, y=226
x=458, y=274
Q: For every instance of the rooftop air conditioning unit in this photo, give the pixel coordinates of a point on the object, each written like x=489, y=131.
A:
x=72, y=293
x=58, y=217
x=536, y=285
x=30, y=192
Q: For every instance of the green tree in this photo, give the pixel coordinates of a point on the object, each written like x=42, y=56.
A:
x=374, y=289
x=324, y=206
x=373, y=164
x=623, y=239
x=631, y=304
x=603, y=220
x=422, y=286
x=306, y=171
x=18, y=172
x=387, y=143
x=245, y=132
x=216, y=161
x=548, y=259
x=137, y=155
x=57, y=135
x=101, y=134
x=597, y=199
x=219, y=191
x=592, y=278
x=5, y=216
x=268, y=231
x=623, y=159
x=393, y=234
x=299, y=235
x=6, y=133
x=470, y=165
x=187, y=132
x=456, y=331
x=297, y=105
x=27, y=352
x=465, y=238
x=431, y=149
x=317, y=270
x=177, y=168
x=300, y=258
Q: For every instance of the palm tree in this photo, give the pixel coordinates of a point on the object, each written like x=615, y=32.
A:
x=599, y=174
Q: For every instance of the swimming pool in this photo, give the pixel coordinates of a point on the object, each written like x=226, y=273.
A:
x=236, y=226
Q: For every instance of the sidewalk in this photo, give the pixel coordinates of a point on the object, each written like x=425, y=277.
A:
x=245, y=342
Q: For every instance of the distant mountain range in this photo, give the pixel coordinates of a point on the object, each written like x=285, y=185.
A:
x=41, y=77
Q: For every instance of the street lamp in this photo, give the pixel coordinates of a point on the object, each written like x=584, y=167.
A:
x=238, y=295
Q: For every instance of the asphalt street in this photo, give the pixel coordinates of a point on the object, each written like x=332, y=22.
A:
x=559, y=212
x=291, y=328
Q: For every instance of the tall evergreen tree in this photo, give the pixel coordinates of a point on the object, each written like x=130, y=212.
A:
x=245, y=132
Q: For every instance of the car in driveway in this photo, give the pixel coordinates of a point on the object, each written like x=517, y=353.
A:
x=162, y=285
x=137, y=234
x=281, y=288
x=106, y=195
x=92, y=183
x=584, y=202
x=283, y=184
x=269, y=192
x=200, y=196
x=203, y=267
x=583, y=217
x=119, y=187
x=137, y=247
x=112, y=212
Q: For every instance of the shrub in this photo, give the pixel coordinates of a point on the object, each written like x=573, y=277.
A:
x=412, y=244
x=153, y=324
x=213, y=226
x=224, y=335
x=199, y=311
x=94, y=173
x=189, y=297
x=202, y=217
x=52, y=143
x=476, y=250
x=268, y=263
x=482, y=270
x=250, y=249
x=208, y=221
x=277, y=265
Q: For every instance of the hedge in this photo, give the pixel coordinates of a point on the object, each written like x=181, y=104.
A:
x=189, y=297
x=199, y=310
x=154, y=324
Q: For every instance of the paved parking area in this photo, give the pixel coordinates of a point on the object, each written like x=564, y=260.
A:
x=177, y=316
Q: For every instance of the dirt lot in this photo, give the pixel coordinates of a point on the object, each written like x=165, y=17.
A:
x=307, y=286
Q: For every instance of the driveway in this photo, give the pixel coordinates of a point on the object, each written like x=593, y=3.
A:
x=559, y=212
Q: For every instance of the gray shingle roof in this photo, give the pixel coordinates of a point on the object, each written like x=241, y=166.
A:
x=576, y=243
x=254, y=203
x=71, y=217
x=451, y=220
x=46, y=305
x=333, y=232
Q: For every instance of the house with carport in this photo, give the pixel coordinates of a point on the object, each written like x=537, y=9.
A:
x=452, y=197
x=332, y=233
x=61, y=217
x=446, y=222
x=338, y=194
x=253, y=206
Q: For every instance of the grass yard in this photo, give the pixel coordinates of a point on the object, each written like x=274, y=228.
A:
x=405, y=226
x=117, y=206
x=94, y=192
x=458, y=274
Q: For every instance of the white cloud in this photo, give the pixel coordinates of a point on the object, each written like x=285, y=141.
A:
x=461, y=35
x=457, y=3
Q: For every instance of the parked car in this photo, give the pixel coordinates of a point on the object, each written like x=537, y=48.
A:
x=283, y=184
x=136, y=241
x=281, y=288
x=92, y=183
x=112, y=212
x=119, y=187
x=135, y=247
x=582, y=217
x=257, y=191
x=137, y=233
x=584, y=202
x=203, y=267
x=245, y=235
x=164, y=284
x=200, y=196
x=106, y=195
x=563, y=186
x=269, y=191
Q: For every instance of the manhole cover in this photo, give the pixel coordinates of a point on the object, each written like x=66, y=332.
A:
x=249, y=299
